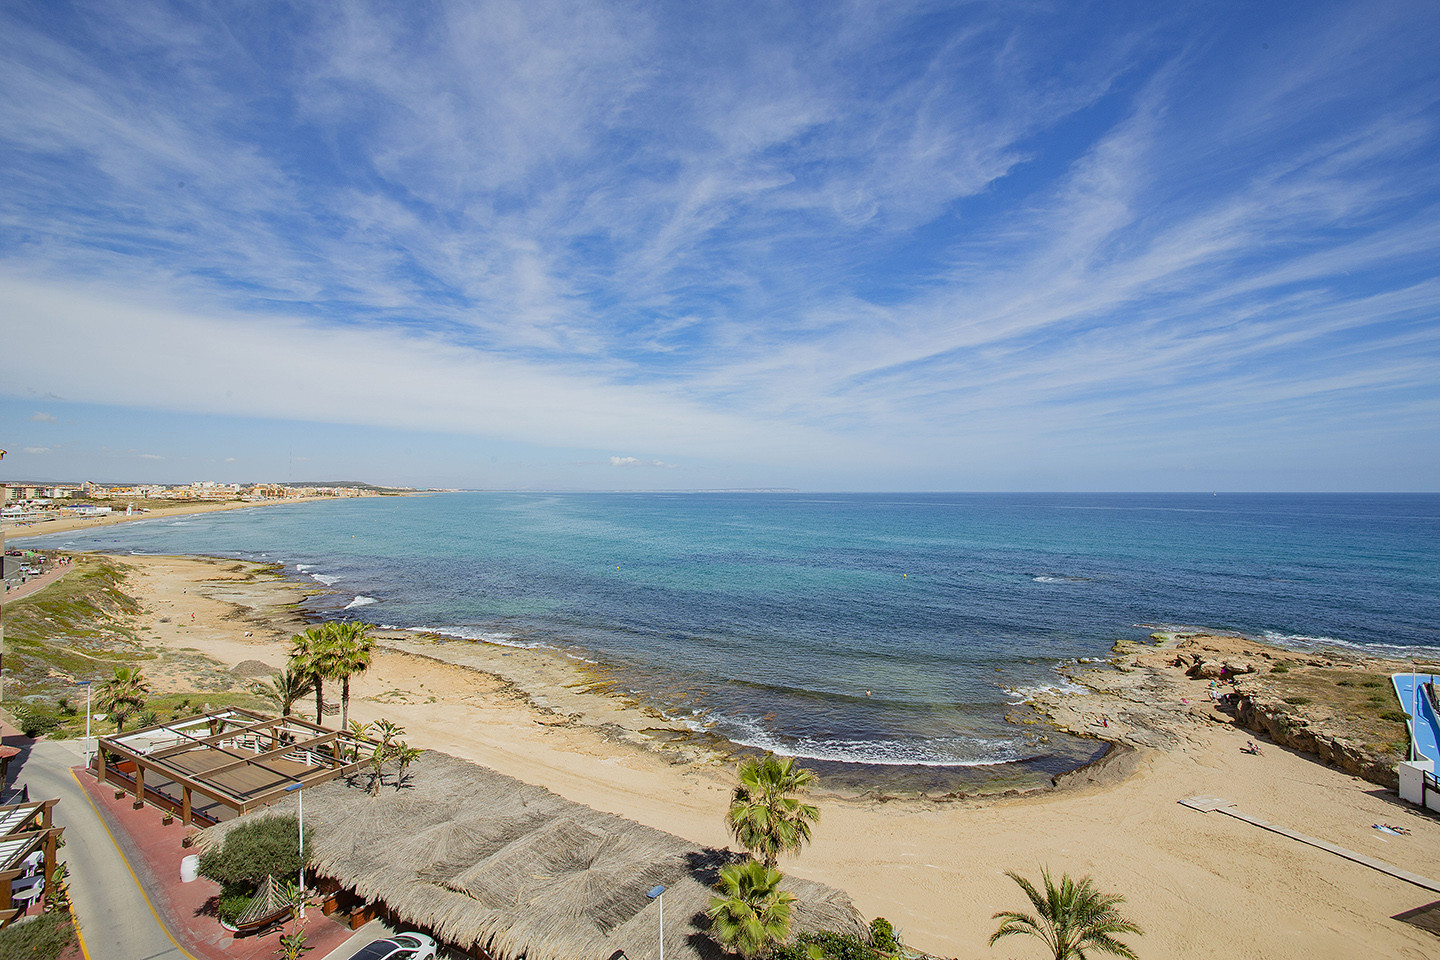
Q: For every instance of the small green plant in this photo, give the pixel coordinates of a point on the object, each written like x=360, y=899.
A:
x=57, y=891
x=1371, y=682
x=1397, y=716
x=1345, y=683
x=1297, y=701
x=1280, y=666
x=883, y=937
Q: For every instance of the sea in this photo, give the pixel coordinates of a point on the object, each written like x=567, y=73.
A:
x=868, y=631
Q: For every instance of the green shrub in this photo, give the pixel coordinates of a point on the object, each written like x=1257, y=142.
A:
x=35, y=721
x=1344, y=683
x=43, y=938
x=253, y=851
x=1280, y=667
x=1372, y=682
x=882, y=936
x=1297, y=701
x=1398, y=716
x=234, y=900
x=827, y=946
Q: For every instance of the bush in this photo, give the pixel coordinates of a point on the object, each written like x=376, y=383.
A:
x=1398, y=716
x=882, y=936
x=1297, y=701
x=34, y=721
x=253, y=851
x=234, y=900
x=43, y=938
x=1280, y=667
x=829, y=946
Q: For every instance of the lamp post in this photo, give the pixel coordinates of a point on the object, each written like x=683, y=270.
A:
x=655, y=893
x=300, y=812
x=89, y=757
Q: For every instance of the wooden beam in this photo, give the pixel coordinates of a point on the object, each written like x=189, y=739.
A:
x=311, y=780
x=211, y=740
x=185, y=805
x=280, y=751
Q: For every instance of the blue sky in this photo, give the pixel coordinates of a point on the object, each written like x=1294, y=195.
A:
x=829, y=246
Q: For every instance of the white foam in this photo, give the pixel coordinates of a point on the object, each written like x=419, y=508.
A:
x=1061, y=686
x=480, y=636
x=325, y=578
x=303, y=567
x=361, y=601
x=970, y=751
x=1399, y=651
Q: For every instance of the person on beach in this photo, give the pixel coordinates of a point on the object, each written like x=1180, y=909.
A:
x=1250, y=748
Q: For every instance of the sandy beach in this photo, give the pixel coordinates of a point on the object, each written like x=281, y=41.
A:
x=66, y=524
x=1199, y=884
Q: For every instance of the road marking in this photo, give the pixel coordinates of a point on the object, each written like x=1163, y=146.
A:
x=138, y=886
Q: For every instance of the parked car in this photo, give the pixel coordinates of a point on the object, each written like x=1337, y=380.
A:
x=402, y=946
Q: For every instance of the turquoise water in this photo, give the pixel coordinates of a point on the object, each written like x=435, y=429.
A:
x=866, y=629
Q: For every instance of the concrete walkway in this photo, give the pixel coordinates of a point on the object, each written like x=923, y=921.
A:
x=35, y=584
x=117, y=921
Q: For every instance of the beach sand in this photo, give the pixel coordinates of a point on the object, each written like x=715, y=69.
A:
x=15, y=531
x=1199, y=884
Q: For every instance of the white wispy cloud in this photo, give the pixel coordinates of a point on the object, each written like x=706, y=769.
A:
x=856, y=235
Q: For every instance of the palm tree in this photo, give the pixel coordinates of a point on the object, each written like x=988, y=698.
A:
x=1072, y=918
x=751, y=911
x=351, y=647
x=386, y=750
x=286, y=687
x=310, y=656
x=123, y=695
x=404, y=755
x=764, y=818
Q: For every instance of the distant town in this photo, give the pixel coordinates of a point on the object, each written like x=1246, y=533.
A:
x=20, y=502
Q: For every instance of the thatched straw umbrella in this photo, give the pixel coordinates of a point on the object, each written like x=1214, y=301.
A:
x=482, y=860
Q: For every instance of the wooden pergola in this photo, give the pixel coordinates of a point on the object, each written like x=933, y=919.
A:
x=239, y=759
x=25, y=828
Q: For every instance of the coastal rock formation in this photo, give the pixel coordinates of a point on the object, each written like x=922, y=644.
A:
x=1272, y=718
x=1150, y=696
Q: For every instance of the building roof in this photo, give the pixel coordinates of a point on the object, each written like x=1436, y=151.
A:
x=241, y=758
x=481, y=859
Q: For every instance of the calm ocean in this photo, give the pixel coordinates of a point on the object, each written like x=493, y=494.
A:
x=869, y=629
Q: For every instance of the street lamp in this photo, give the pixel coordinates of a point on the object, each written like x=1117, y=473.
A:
x=89, y=757
x=654, y=893
x=300, y=811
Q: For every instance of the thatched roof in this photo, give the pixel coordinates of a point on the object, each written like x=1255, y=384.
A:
x=479, y=858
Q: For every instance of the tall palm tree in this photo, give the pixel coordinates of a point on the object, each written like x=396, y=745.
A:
x=123, y=695
x=750, y=912
x=310, y=656
x=764, y=817
x=1071, y=919
x=351, y=648
x=286, y=687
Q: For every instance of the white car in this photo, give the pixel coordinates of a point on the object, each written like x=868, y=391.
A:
x=402, y=946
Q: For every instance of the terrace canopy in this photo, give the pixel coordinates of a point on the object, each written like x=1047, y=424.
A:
x=28, y=837
x=504, y=870
x=235, y=760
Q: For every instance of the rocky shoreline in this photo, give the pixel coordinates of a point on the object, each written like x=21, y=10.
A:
x=1148, y=696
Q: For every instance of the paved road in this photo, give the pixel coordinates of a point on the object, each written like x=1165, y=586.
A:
x=116, y=920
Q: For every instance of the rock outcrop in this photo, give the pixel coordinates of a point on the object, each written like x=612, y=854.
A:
x=1273, y=719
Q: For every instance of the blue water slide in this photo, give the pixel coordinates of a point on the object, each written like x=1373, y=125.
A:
x=1424, y=725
